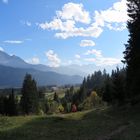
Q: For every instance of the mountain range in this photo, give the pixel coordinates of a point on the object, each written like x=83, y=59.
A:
x=13, y=70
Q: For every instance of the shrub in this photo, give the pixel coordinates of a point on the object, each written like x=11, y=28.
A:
x=61, y=108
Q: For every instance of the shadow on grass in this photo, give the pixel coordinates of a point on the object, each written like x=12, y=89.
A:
x=89, y=126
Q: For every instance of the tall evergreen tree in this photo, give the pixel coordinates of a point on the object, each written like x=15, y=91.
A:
x=12, y=105
x=132, y=52
x=108, y=90
x=83, y=91
x=55, y=97
x=118, y=86
x=2, y=105
x=8, y=104
x=29, y=99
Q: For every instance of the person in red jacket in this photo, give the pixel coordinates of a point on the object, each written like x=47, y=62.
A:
x=74, y=108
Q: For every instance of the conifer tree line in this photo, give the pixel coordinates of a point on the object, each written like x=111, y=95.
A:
x=8, y=104
x=109, y=87
x=123, y=86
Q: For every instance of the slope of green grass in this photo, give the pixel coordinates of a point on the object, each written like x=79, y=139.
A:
x=120, y=124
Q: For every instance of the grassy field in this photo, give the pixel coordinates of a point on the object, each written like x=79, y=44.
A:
x=99, y=124
x=50, y=95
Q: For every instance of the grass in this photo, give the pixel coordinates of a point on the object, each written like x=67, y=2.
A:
x=50, y=95
x=117, y=124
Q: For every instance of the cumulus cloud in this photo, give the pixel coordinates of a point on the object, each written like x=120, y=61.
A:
x=68, y=29
x=54, y=60
x=57, y=24
x=87, y=43
x=92, y=31
x=116, y=26
x=34, y=60
x=65, y=22
x=116, y=14
x=13, y=41
x=84, y=32
x=1, y=49
x=74, y=11
x=100, y=60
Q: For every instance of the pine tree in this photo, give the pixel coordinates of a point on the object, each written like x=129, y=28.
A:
x=118, y=86
x=83, y=91
x=29, y=99
x=6, y=106
x=12, y=105
x=55, y=97
x=132, y=52
x=2, y=106
x=107, y=92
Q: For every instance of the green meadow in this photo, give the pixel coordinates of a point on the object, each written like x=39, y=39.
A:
x=98, y=124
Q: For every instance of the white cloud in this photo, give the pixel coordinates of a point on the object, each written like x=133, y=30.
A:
x=13, y=41
x=74, y=11
x=68, y=29
x=57, y=24
x=116, y=14
x=65, y=22
x=92, y=31
x=54, y=60
x=100, y=60
x=34, y=60
x=107, y=61
x=5, y=1
x=117, y=26
x=87, y=43
x=97, y=53
x=77, y=56
x=1, y=49
x=104, y=61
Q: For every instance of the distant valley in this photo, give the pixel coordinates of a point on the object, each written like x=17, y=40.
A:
x=13, y=70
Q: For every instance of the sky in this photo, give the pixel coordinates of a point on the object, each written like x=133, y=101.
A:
x=64, y=32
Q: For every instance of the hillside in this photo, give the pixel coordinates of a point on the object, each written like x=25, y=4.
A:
x=100, y=124
x=13, y=77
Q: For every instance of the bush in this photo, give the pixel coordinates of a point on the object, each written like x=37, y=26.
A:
x=92, y=101
x=61, y=108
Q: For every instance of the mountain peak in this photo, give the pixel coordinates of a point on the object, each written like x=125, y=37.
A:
x=13, y=61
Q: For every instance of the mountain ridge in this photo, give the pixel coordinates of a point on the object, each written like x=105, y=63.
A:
x=73, y=69
x=13, y=77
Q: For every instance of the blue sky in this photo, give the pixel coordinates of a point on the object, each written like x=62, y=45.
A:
x=63, y=32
